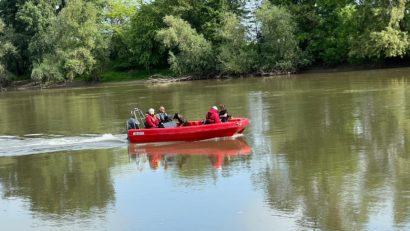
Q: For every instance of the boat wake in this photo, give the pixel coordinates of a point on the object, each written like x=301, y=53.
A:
x=40, y=143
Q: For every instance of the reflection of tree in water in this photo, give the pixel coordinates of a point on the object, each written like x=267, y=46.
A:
x=61, y=183
x=346, y=157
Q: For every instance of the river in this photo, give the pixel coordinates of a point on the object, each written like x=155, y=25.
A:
x=324, y=151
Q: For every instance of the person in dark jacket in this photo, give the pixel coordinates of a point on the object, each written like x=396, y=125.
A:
x=132, y=122
x=223, y=114
x=162, y=115
x=212, y=116
x=151, y=121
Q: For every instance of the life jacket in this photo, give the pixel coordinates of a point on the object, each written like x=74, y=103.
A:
x=153, y=120
x=212, y=117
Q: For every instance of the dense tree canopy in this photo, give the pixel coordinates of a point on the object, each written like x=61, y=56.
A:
x=76, y=44
x=59, y=40
x=193, y=51
x=235, y=54
x=278, y=48
x=5, y=48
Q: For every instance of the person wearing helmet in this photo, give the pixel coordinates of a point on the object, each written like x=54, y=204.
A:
x=212, y=116
x=151, y=121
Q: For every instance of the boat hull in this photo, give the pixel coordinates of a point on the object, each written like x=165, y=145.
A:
x=193, y=132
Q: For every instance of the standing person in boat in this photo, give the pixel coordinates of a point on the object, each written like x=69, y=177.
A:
x=151, y=121
x=223, y=113
x=162, y=115
x=212, y=117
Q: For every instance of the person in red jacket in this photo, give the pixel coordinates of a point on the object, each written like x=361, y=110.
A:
x=212, y=117
x=151, y=121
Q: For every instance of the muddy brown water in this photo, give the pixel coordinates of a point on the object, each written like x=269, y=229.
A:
x=327, y=151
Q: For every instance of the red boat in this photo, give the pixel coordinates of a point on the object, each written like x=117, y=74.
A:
x=191, y=131
x=217, y=150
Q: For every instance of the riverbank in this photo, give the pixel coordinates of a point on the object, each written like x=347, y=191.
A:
x=107, y=77
x=166, y=76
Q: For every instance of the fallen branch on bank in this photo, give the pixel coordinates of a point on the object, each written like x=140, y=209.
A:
x=159, y=79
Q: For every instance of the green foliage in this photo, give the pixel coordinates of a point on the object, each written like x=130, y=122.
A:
x=278, y=49
x=78, y=45
x=54, y=40
x=118, y=17
x=235, y=53
x=379, y=32
x=204, y=16
x=331, y=37
x=207, y=16
x=193, y=52
x=334, y=43
x=47, y=71
x=146, y=50
x=23, y=19
x=36, y=17
x=9, y=9
x=323, y=28
x=5, y=48
x=390, y=42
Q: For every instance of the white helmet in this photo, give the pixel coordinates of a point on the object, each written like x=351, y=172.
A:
x=215, y=107
x=151, y=111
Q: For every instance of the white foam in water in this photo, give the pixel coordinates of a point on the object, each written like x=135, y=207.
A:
x=29, y=144
x=34, y=135
x=8, y=137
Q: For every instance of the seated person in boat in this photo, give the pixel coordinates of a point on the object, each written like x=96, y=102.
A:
x=162, y=115
x=212, y=117
x=151, y=121
x=223, y=114
x=132, y=122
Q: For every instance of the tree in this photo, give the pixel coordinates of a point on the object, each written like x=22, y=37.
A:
x=207, y=16
x=23, y=18
x=78, y=44
x=36, y=17
x=118, y=21
x=235, y=53
x=323, y=28
x=277, y=46
x=190, y=52
x=5, y=48
x=203, y=16
x=146, y=50
x=379, y=33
